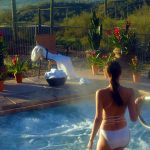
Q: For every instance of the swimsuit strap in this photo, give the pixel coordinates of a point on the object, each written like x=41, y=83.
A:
x=115, y=116
x=113, y=119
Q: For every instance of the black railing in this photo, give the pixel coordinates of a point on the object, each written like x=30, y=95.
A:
x=25, y=41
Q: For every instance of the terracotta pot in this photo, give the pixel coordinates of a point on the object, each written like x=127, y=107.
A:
x=105, y=73
x=1, y=86
x=136, y=77
x=18, y=77
x=95, y=69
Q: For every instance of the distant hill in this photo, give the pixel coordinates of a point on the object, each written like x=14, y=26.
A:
x=29, y=9
x=5, y=4
x=65, y=10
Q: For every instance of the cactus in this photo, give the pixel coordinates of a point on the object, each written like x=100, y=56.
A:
x=95, y=32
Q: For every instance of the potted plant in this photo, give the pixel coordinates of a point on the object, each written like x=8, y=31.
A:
x=2, y=78
x=123, y=40
x=105, y=59
x=2, y=53
x=1, y=82
x=16, y=66
x=2, y=49
x=136, y=69
x=94, y=38
x=94, y=61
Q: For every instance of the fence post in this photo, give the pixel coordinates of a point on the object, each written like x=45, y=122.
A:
x=105, y=7
x=127, y=9
x=51, y=15
x=39, y=20
x=14, y=19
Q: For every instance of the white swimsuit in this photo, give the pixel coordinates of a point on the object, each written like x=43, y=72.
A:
x=116, y=138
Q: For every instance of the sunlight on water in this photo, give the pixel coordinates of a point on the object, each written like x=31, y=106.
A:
x=66, y=128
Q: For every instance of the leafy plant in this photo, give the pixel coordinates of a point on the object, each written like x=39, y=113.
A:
x=16, y=64
x=93, y=57
x=2, y=49
x=3, y=76
x=135, y=65
x=97, y=58
x=123, y=38
x=94, y=60
x=95, y=32
x=106, y=58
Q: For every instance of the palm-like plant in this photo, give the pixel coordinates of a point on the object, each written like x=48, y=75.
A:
x=95, y=32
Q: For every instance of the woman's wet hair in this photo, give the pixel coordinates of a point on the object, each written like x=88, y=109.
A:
x=114, y=72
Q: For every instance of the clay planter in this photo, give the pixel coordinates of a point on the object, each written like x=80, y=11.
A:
x=18, y=77
x=95, y=69
x=1, y=85
x=136, y=77
x=105, y=73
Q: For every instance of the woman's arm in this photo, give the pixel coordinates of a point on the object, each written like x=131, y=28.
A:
x=138, y=103
x=97, y=120
x=132, y=107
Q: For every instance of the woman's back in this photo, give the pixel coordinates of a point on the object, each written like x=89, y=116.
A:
x=113, y=115
x=111, y=104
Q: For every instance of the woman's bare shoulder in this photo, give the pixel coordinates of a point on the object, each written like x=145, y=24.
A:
x=102, y=91
x=127, y=90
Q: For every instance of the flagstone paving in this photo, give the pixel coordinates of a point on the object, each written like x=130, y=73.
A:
x=35, y=93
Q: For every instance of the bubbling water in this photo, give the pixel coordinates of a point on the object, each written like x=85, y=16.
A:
x=66, y=127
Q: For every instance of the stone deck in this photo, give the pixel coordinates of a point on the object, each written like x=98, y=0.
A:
x=34, y=92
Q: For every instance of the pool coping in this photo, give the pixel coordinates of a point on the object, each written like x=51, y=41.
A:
x=13, y=100
x=31, y=95
x=26, y=106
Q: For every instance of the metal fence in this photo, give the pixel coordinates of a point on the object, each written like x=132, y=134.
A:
x=143, y=48
x=22, y=43
x=25, y=41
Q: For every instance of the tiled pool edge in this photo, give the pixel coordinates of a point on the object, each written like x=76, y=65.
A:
x=26, y=106
x=57, y=101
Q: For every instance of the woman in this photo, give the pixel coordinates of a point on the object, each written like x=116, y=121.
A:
x=111, y=104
